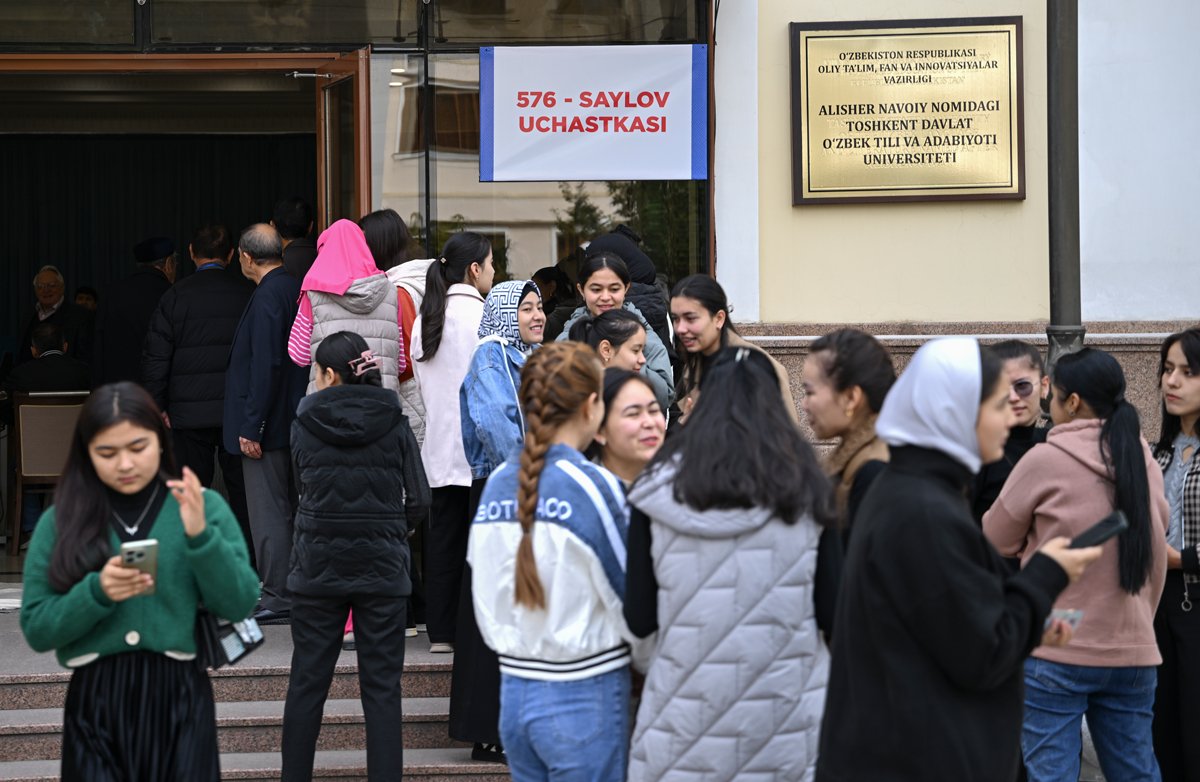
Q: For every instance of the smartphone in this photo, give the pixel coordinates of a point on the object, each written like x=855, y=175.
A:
x=1110, y=526
x=1069, y=615
x=142, y=555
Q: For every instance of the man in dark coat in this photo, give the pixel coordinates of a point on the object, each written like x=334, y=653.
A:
x=74, y=322
x=293, y=219
x=49, y=369
x=184, y=359
x=262, y=389
x=123, y=315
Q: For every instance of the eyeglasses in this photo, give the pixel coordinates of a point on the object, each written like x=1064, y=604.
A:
x=47, y=286
x=1024, y=388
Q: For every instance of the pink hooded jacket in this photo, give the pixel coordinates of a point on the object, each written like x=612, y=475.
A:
x=1062, y=487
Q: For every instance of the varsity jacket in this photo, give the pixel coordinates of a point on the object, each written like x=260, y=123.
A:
x=579, y=537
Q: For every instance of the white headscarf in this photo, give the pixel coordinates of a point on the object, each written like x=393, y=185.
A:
x=935, y=402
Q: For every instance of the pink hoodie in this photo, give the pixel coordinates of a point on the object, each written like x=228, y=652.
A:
x=1062, y=487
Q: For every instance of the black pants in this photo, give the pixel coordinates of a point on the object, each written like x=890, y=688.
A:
x=445, y=556
x=475, y=682
x=317, y=625
x=196, y=449
x=1177, y=699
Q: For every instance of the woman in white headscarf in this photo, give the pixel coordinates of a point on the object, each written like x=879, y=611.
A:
x=926, y=681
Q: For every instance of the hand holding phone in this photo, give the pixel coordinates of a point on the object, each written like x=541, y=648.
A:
x=141, y=555
x=1108, y=527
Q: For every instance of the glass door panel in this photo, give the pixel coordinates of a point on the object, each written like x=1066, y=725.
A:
x=343, y=138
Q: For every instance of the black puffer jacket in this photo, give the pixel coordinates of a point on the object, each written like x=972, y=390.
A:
x=361, y=481
x=187, y=346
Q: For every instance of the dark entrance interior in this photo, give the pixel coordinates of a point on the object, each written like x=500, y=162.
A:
x=93, y=163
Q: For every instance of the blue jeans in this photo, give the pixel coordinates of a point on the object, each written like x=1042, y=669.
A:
x=1119, y=706
x=575, y=731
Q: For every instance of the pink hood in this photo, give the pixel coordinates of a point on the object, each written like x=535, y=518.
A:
x=342, y=258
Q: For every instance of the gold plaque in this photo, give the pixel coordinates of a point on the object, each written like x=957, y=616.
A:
x=907, y=110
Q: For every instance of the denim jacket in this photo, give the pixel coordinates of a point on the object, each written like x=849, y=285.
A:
x=492, y=423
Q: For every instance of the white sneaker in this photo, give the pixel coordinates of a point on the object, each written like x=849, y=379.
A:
x=410, y=632
x=441, y=647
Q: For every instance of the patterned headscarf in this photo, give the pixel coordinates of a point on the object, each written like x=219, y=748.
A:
x=500, y=312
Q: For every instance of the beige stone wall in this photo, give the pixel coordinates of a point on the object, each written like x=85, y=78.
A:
x=932, y=262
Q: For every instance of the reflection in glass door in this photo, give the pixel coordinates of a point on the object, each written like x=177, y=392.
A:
x=340, y=196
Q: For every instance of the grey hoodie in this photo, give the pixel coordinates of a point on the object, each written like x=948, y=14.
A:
x=736, y=684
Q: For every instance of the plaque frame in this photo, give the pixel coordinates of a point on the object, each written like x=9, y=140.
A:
x=802, y=196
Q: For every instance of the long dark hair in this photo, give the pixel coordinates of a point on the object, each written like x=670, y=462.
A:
x=711, y=296
x=461, y=250
x=741, y=449
x=81, y=506
x=614, y=326
x=387, y=236
x=1097, y=378
x=851, y=358
x=991, y=367
x=1189, y=343
x=337, y=351
x=602, y=260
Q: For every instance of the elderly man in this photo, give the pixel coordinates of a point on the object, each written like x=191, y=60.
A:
x=262, y=389
x=74, y=322
x=124, y=313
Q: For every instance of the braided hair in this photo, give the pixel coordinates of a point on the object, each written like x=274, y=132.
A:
x=556, y=382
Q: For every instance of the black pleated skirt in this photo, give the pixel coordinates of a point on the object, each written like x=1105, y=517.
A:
x=140, y=717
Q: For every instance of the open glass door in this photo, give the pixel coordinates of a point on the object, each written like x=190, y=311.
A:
x=343, y=138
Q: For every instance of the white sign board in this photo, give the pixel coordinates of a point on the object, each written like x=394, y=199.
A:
x=553, y=113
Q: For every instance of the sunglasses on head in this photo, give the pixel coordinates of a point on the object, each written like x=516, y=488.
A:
x=1024, y=388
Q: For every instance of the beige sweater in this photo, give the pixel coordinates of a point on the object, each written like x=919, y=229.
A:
x=1062, y=487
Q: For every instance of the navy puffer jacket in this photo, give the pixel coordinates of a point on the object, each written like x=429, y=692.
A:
x=361, y=485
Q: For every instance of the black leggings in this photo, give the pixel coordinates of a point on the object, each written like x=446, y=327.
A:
x=445, y=556
x=1177, y=699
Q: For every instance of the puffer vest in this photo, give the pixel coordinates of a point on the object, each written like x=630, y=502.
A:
x=351, y=534
x=369, y=309
x=736, y=684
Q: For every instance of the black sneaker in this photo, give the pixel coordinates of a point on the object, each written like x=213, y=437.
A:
x=489, y=753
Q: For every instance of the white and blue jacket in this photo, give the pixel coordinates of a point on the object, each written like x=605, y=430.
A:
x=579, y=538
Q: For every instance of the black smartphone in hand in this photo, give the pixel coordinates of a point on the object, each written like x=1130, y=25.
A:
x=1110, y=526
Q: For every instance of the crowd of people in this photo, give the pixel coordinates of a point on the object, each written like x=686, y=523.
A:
x=604, y=505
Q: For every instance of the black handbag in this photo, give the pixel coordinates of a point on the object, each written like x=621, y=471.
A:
x=220, y=642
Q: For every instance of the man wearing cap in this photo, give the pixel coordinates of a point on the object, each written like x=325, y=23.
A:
x=124, y=313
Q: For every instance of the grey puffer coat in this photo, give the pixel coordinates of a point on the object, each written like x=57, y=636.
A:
x=736, y=685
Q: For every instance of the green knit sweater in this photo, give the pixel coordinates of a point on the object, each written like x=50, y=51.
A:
x=83, y=624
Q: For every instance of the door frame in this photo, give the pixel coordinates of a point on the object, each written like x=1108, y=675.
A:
x=328, y=67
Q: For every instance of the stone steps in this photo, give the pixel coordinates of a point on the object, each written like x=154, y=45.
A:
x=420, y=765
x=243, y=727
x=250, y=702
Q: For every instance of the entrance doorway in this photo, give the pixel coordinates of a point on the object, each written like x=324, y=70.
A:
x=100, y=152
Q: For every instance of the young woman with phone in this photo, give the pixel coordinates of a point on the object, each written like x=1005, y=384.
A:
x=547, y=553
x=932, y=626
x=138, y=705
x=1177, y=623
x=362, y=486
x=1094, y=461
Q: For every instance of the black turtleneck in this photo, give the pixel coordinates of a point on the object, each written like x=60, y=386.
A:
x=130, y=506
